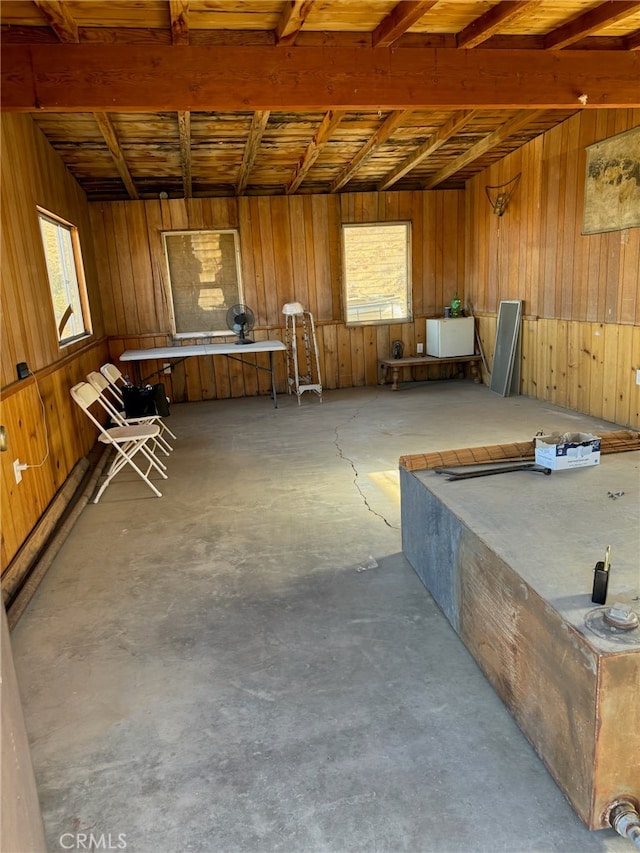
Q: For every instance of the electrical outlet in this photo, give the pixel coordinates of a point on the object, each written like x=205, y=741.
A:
x=420, y=348
x=18, y=468
x=637, y=377
x=166, y=367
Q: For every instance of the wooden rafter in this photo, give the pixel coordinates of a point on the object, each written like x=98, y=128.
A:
x=513, y=125
x=291, y=21
x=632, y=42
x=603, y=15
x=102, y=77
x=111, y=138
x=324, y=133
x=59, y=19
x=179, y=13
x=400, y=18
x=490, y=23
x=379, y=138
x=258, y=125
x=184, y=129
x=427, y=148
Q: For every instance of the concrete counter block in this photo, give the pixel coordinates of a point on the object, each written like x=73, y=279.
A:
x=509, y=559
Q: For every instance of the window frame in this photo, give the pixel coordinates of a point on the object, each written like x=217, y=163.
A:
x=213, y=333
x=79, y=285
x=408, y=294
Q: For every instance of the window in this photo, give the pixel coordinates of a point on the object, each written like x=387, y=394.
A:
x=66, y=278
x=377, y=274
x=204, y=280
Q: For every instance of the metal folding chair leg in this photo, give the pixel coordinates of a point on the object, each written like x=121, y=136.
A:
x=127, y=440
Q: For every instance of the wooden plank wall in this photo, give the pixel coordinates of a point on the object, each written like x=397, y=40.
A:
x=581, y=329
x=33, y=174
x=291, y=252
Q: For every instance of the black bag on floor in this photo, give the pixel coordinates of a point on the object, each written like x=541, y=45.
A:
x=161, y=400
x=150, y=400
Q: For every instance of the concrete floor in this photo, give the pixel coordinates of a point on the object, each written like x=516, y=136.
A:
x=250, y=665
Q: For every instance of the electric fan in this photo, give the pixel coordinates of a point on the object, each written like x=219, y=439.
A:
x=240, y=320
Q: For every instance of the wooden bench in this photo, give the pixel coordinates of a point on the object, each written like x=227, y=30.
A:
x=420, y=360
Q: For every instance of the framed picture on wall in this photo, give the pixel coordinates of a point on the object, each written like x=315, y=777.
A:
x=612, y=184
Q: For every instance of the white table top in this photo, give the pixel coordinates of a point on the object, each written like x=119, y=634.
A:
x=232, y=348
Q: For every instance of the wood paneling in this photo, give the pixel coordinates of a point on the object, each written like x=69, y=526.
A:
x=580, y=292
x=291, y=252
x=33, y=174
x=45, y=433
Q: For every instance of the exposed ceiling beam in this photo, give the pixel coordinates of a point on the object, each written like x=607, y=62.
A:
x=179, y=13
x=101, y=77
x=492, y=21
x=324, y=133
x=435, y=141
x=632, y=42
x=111, y=138
x=291, y=21
x=59, y=19
x=509, y=128
x=603, y=15
x=379, y=138
x=400, y=18
x=184, y=129
x=258, y=124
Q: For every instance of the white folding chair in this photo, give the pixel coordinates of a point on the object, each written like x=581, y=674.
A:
x=98, y=381
x=116, y=379
x=127, y=441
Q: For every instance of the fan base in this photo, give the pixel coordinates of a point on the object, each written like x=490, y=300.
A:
x=244, y=341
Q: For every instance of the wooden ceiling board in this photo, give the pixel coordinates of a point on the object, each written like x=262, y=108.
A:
x=354, y=16
x=119, y=13
x=254, y=15
x=366, y=146
x=450, y=16
x=141, y=127
x=621, y=28
x=548, y=16
x=19, y=13
x=85, y=163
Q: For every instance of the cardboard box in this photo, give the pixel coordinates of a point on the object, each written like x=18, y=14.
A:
x=571, y=450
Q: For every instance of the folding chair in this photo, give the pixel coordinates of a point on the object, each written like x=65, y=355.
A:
x=127, y=441
x=115, y=379
x=98, y=381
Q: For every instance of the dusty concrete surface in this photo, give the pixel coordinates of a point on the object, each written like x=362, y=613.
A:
x=226, y=668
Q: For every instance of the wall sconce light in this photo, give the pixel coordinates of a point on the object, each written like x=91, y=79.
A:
x=500, y=196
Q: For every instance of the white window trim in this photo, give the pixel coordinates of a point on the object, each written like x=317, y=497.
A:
x=386, y=321
x=172, y=318
x=80, y=283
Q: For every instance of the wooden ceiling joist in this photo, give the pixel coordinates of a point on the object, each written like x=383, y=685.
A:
x=256, y=131
x=381, y=135
x=493, y=20
x=435, y=141
x=324, y=133
x=184, y=129
x=291, y=21
x=513, y=125
x=59, y=19
x=400, y=18
x=632, y=42
x=179, y=14
x=111, y=138
x=100, y=78
x=603, y=15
